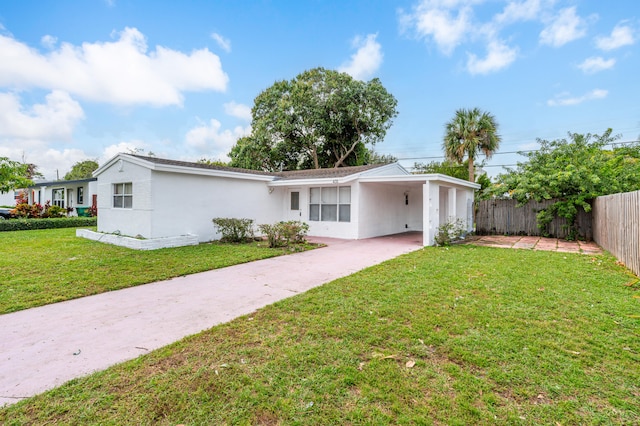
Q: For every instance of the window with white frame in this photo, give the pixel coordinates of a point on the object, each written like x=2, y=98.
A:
x=330, y=204
x=58, y=197
x=123, y=195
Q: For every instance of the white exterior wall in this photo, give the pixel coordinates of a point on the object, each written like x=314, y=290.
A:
x=8, y=198
x=415, y=208
x=186, y=204
x=130, y=222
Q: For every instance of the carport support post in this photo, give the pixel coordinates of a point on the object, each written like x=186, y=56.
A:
x=430, y=212
x=453, y=209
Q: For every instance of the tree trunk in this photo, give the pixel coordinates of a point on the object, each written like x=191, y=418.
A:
x=346, y=154
x=314, y=153
x=472, y=177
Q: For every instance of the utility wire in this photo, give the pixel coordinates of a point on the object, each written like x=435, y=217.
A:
x=613, y=144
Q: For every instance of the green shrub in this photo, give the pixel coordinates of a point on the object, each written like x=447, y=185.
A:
x=283, y=234
x=63, y=222
x=234, y=230
x=54, y=211
x=26, y=210
x=450, y=231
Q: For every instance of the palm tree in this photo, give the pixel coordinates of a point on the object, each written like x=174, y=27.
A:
x=469, y=133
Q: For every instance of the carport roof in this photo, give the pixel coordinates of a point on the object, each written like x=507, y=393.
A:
x=421, y=179
x=62, y=182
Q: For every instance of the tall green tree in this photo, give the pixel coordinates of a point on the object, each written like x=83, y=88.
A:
x=15, y=175
x=572, y=171
x=446, y=167
x=469, y=133
x=321, y=118
x=375, y=158
x=82, y=170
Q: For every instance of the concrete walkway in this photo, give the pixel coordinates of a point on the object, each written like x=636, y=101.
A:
x=536, y=243
x=41, y=348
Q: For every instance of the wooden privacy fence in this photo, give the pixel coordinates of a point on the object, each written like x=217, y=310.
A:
x=502, y=217
x=616, y=227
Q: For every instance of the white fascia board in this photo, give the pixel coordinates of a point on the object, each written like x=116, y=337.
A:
x=119, y=157
x=315, y=181
x=106, y=165
x=421, y=178
x=390, y=166
x=209, y=172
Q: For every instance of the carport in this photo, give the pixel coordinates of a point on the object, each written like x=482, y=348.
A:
x=395, y=204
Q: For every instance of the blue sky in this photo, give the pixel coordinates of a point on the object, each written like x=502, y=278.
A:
x=87, y=79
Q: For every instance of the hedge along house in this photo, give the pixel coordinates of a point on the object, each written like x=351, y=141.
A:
x=172, y=203
x=74, y=195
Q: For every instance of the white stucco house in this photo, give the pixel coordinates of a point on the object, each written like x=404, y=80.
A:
x=156, y=199
x=8, y=198
x=78, y=194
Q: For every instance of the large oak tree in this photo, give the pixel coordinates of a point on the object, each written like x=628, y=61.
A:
x=321, y=118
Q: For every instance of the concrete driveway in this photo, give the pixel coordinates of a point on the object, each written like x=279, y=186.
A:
x=41, y=348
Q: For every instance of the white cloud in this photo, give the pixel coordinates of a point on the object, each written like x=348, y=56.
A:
x=55, y=119
x=565, y=99
x=621, y=35
x=564, y=28
x=223, y=43
x=367, y=59
x=527, y=10
x=499, y=56
x=446, y=22
x=208, y=139
x=54, y=164
x=238, y=110
x=127, y=147
x=49, y=41
x=595, y=64
x=119, y=72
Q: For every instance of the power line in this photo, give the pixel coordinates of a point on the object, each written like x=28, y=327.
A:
x=612, y=144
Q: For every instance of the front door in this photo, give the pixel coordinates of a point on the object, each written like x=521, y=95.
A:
x=294, y=205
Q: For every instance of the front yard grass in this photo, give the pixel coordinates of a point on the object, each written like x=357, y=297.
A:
x=46, y=266
x=465, y=335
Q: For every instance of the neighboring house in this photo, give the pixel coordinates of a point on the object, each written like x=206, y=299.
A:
x=154, y=198
x=67, y=194
x=8, y=198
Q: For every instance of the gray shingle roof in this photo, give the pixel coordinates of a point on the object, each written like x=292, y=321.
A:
x=167, y=162
x=326, y=173
x=285, y=175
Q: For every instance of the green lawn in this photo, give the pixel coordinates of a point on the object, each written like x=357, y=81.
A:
x=464, y=335
x=46, y=266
